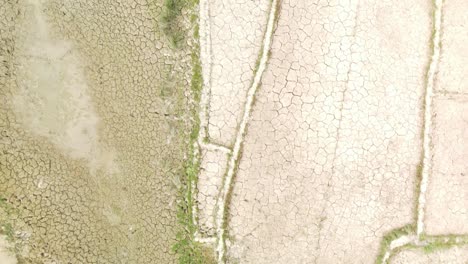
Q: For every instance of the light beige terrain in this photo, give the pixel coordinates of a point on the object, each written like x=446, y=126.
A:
x=52, y=99
x=453, y=71
x=237, y=30
x=229, y=56
x=344, y=143
x=6, y=256
x=455, y=255
x=329, y=162
x=447, y=206
x=212, y=168
x=290, y=131
x=94, y=104
x=447, y=194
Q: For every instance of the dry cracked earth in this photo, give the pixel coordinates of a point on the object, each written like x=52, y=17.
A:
x=234, y=131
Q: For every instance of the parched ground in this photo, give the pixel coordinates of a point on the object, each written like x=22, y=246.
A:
x=351, y=137
x=447, y=194
x=237, y=29
x=324, y=131
x=94, y=103
x=447, y=205
x=6, y=254
x=329, y=161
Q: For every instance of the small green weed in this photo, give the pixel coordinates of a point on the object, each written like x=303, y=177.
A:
x=392, y=235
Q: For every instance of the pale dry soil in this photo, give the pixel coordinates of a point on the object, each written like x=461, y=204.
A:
x=212, y=168
x=93, y=103
x=453, y=71
x=231, y=38
x=237, y=30
x=447, y=198
x=93, y=137
x=331, y=159
x=6, y=256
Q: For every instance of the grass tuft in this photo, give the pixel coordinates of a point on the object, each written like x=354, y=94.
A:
x=6, y=211
x=390, y=236
x=170, y=25
x=187, y=249
x=444, y=242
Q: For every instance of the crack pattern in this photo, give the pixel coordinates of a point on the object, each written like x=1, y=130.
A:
x=220, y=220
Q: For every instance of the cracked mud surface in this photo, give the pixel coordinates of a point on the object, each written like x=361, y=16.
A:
x=311, y=180
x=234, y=51
x=213, y=166
x=93, y=103
x=447, y=197
x=352, y=142
x=447, y=206
x=246, y=131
